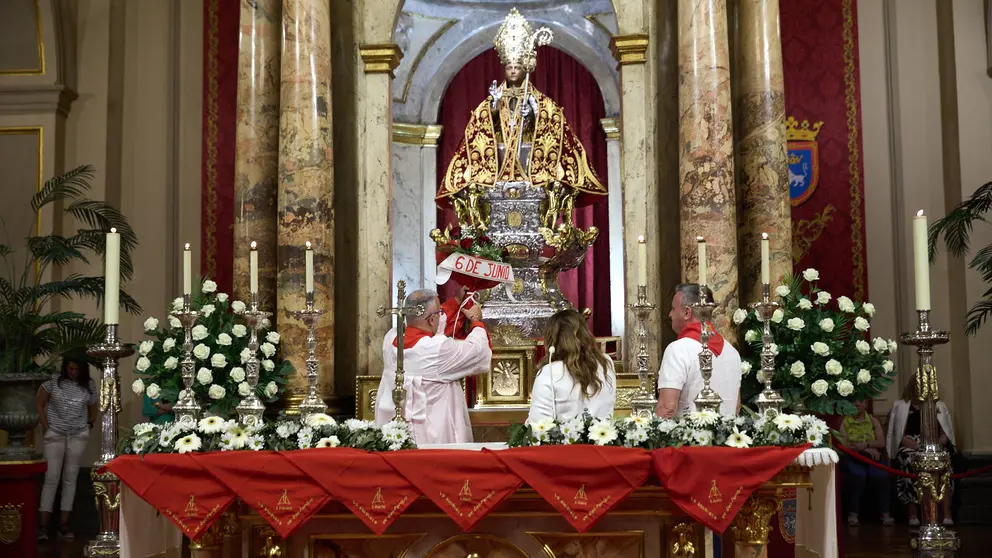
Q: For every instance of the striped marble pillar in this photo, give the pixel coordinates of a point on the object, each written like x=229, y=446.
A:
x=306, y=189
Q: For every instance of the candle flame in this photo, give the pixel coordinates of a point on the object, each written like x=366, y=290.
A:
x=308, y=245
x=113, y=230
x=764, y=236
x=641, y=239
x=919, y=213
x=187, y=247
x=700, y=239
x=254, y=245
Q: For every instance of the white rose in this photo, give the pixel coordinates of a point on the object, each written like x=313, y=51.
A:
x=862, y=346
x=224, y=339
x=153, y=391
x=739, y=316
x=204, y=376
x=782, y=291
x=860, y=324
x=171, y=363
x=201, y=351
x=268, y=365
x=804, y=304
x=811, y=275
x=773, y=348
x=819, y=388
x=265, y=323
x=777, y=316
x=177, y=304
x=820, y=348
x=845, y=304
x=881, y=345
x=845, y=388
x=751, y=336
x=822, y=297
x=238, y=306
x=207, y=309
x=200, y=333
x=145, y=347
x=239, y=330
x=271, y=389
x=142, y=364
x=745, y=368
x=834, y=368
x=222, y=297
x=268, y=349
x=869, y=309
x=150, y=324
x=272, y=337
x=864, y=376
x=827, y=325
x=238, y=374
x=216, y=392
x=218, y=360
x=244, y=389
x=209, y=286
x=168, y=345
x=888, y=366
x=245, y=355
x=138, y=387
x=798, y=369
x=796, y=324
x=893, y=346
x=174, y=322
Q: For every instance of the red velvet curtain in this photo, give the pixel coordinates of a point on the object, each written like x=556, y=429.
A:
x=569, y=84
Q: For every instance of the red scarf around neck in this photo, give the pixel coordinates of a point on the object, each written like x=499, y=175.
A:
x=411, y=336
x=695, y=331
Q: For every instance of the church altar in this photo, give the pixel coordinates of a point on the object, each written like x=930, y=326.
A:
x=478, y=499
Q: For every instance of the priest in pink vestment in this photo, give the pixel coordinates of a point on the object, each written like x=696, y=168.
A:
x=434, y=365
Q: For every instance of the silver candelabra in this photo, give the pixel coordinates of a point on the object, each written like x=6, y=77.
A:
x=251, y=408
x=932, y=464
x=769, y=401
x=312, y=403
x=106, y=485
x=707, y=400
x=644, y=402
x=186, y=409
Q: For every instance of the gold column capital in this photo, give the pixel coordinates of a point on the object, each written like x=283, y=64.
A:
x=611, y=126
x=753, y=521
x=630, y=49
x=416, y=134
x=381, y=58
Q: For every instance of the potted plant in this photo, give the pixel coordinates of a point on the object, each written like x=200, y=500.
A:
x=34, y=333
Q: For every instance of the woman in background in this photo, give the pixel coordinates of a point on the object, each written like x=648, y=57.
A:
x=67, y=405
x=576, y=376
x=863, y=434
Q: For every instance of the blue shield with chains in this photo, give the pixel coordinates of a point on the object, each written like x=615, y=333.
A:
x=803, y=159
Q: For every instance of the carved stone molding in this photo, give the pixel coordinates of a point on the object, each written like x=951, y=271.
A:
x=381, y=59
x=36, y=99
x=611, y=126
x=630, y=49
x=416, y=134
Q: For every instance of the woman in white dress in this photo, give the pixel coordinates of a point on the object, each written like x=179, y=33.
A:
x=575, y=375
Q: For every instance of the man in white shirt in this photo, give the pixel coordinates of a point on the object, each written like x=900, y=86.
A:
x=680, y=380
x=433, y=367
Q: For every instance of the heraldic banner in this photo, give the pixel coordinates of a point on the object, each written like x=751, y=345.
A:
x=823, y=105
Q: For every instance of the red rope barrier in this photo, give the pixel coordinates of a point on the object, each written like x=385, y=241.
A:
x=897, y=472
x=972, y=472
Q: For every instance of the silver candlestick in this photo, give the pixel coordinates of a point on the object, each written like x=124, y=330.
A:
x=251, y=408
x=707, y=400
x=186, y=409
x=769, y=401
x=312, y=403
x=106, y=485
x=932, y=464
x=645, y=401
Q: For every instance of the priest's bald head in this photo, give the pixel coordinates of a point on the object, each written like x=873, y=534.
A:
x=430, y=319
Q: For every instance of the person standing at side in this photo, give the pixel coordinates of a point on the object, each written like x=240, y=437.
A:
x=680, y=379
x=67, y=405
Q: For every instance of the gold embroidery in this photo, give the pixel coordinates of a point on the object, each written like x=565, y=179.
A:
x=466, y=493
x=453, y=505
x=284, y=504
x=853, y=154
x=726, y=510
x=182, y=521
x=378, y=502
x=481, y=503
x=191, y=508
x=565, y=505
x=715, y=496
x=596, y=508
x=580, y=497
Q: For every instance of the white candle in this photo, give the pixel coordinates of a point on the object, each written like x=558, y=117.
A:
x=187, y=270
x=702, y=259
x=253, y=266
x=642, y=260
x=921, y=261
x=309, y=268
x=765, y=268
x=112, y=277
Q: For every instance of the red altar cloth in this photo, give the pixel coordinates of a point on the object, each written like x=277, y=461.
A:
x=583, y=482
x=19, y=503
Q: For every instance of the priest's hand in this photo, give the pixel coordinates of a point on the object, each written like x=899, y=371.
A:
x=473, y=314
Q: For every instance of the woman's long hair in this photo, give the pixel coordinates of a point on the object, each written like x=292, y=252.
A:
x=573, y=344
x=83, y=379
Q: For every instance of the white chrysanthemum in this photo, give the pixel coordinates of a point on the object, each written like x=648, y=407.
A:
x=224, y=340
x=166, y=436
x=827, y=325
x=271, y=390
x=738, y=439
x=304, y=437
x=245, y=355
x=739, y=316
x=639, y=420
x=287, y=429
x=207, y=310
x=142, y=364
x=751, y=336
x=138, y=386
x=777, y=316
x=702, y=437
x=862, y=346
x=845, y=304
x=811, y=275
x=795, y=324
x=268, y=349
x=804, y=304
x=893, y=346
x=145, y=347
x=216, y=392
x=704, y=418
x=396, y=433
x=833, y=367
x=320, y=419
x=861, y=324
x=151, y=324
x=745, y=368
x=138, y=445
x=636, y=436
x=819, y=388
x=238, y=307
x=218, y=360
x=177, y=303
x=210, y=425
x=244, y=389
x=869, y=309
x=209, y=286
x=269, y=366
x=272, y=337
x=328, y=442
x=355, y=424
x=237, y=374
x=782, y=291
x=171, y=363
x=816, y=425
x=204, y=376
x=666, y=426
x=235, y=437
x=201, y=351
x=864, y=376
x=199, y=332
x=814, y=438
x=144, y=428
x=239, y=330
x=174, y=322
x=820, y=348
x=787, y=422
x=822, y=297
x=222, y=297
x=602, y=432
x=153, y=391
x=255, y=442
x=845, y=388
x=888, y=366
x=798, y=369
x=573, y=430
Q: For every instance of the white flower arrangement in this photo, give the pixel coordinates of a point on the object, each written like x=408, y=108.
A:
x=703, y=428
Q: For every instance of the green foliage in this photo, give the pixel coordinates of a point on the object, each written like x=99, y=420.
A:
x=31, y=337
x=956, y=229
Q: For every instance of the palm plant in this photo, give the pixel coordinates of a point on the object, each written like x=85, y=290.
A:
x=32, y=336
x=956, y=229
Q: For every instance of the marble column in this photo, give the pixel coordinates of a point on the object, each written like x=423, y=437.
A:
x=306, y=189
x=708, y=206
x=414, y=212
x=256, y=163
x=614, y=177
x=764, y=182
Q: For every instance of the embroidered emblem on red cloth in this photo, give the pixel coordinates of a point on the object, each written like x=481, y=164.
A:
x=361, y=480
x=270, y=484
x=582, y=482
x=712, y=483
x=177, y=486
x=466, y=485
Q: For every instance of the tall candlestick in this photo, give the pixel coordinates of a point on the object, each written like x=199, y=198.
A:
x=701, y=243
x=642, y=260
x=309, y=288
x=187, y=270
x=765, y=268
x=921, y=261
x=253, y=266
x=112, y=277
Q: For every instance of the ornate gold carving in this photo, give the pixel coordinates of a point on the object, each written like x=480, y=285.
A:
x=611, y=126
x=514, y=219
x=208, y=540
x=102, y=491
x=624, y=396
x=380, y=58
x=806, y=232
x=753, y=521
x=373, y=393
x=518, y=286
x=366, y=391
x=801, y=131
x=416, y=134
x=506, y=378
x=685, y=534
x=273, y=544
x=517, y=44
x=629, y=49
x=11, y=522
x=230, y=524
